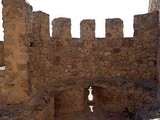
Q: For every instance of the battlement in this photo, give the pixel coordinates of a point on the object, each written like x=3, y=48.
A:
x=61, y=27
x=144, y=25
x=41, y=26
x=88, y=56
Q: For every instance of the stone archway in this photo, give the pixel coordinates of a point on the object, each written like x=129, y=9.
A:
x=69, y=99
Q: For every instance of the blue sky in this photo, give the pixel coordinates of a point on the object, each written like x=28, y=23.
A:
x=91, y=9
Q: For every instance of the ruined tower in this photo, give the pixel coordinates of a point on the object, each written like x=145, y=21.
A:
x=17, y=23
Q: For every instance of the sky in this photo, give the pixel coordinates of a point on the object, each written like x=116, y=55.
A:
x=99, y=10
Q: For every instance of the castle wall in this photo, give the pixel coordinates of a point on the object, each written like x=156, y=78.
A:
x=111, y=95
x=33, y=59
x=41, y=26
x=17, y=18
x=48, y=113
x=54, y=72
x=154, y=5
x=116, y=98
x=66, y=58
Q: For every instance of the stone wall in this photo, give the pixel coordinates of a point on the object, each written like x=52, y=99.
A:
x=116, y=97
x=37, y=63
x=47, y=113
x=113, y=95
x=70, y=101
x=66, y=58
x=154, y=5
x=17, y=23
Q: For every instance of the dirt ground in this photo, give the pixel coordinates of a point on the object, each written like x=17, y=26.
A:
x=98, y=114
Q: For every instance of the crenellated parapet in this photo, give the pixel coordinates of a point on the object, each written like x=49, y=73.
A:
x=87, y=57
x=61, y=27
x=144, y=26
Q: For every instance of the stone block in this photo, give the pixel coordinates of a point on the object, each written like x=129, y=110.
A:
x=41, y=26
x=114, y=28
x=146, y=24
x=87, y=29
x=61, y=28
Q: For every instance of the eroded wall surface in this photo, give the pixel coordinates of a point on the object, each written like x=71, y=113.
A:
x=37, y=63
x=17, y=23
x=154, y=5
x=66, y=58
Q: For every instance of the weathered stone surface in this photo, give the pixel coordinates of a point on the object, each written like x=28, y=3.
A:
x=87, y=29
x=69, y=101
x=146, y=24
x=17, y=18
x=61, y=28
x=92, y=58
x=41, y=26
x=51, y=75
x=114, y=28
x=154, y=5
x=47, y=113
x=151, y=112
x=72, y=97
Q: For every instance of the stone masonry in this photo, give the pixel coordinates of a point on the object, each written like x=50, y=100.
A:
x=154, y=5
x=47, y=77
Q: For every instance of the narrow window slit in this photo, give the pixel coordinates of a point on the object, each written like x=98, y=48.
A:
x=90, y=96
x=90, y=99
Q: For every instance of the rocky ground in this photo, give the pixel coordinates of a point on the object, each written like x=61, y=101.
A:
x=25, y=113
x=148, y=113
x=98, y=114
